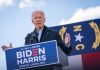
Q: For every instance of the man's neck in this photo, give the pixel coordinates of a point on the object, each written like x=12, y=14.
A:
x=38, y=29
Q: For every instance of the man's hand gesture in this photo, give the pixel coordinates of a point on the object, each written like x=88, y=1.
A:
x=4, y=47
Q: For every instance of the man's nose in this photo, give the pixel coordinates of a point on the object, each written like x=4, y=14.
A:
x=39, y=18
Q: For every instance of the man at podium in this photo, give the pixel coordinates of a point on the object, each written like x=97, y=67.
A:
x=42, y=33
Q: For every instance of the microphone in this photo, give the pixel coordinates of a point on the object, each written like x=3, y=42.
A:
x=34, y=37
x=35, y=34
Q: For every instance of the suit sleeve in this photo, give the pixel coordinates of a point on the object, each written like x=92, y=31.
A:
x=27, y=39
x=62, y=45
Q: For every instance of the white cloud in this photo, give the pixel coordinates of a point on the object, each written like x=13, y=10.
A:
x=83, y=15
x=31, y=3
x=25, y=3
x=5, y=3
x=22, y=3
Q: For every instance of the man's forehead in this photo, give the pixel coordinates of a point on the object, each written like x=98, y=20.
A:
x=37, y=12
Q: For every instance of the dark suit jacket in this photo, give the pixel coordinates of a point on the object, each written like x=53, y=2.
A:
x=47, y=35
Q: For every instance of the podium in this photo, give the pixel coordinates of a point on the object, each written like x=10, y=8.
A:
x=39, y=56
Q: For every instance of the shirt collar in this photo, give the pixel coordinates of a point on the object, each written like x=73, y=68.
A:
x=39, y=31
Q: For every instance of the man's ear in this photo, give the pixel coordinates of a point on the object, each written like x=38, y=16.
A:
x=44, y=19
x=32, y=21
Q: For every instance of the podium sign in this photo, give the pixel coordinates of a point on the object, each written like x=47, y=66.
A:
x=33, y=55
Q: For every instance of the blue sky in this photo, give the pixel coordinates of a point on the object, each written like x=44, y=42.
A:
x=15, y=17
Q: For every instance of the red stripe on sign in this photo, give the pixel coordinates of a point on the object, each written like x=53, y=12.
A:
x=35, y=54
x=91, y=61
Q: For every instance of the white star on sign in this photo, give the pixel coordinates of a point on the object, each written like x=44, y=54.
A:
x=78, y=37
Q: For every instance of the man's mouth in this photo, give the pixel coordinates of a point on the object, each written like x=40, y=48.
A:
x=38, y=23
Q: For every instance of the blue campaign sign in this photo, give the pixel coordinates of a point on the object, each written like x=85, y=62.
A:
x=34, y=55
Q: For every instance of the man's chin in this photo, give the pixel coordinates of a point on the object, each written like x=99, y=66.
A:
x=39, y=26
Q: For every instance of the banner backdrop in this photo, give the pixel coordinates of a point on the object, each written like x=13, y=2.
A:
x=85, y=36
x=85, y=42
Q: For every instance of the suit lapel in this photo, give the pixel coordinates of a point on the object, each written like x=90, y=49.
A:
x=45, y=34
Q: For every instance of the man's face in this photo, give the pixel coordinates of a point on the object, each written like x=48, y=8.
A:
x=38, y=19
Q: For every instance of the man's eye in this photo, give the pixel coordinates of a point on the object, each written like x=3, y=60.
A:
x=39, y=17
x=35, y=18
